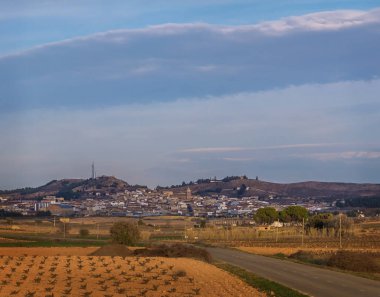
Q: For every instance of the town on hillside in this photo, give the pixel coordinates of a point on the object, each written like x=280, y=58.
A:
x=235, y=196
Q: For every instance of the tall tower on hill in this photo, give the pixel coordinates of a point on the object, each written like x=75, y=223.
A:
x=93, y=170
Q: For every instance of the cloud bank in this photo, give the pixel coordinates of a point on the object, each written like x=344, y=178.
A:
x=167, y=62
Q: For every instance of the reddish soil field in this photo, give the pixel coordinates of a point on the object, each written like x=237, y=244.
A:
x=36, y=272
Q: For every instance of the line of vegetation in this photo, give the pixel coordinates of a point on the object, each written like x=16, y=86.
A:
x=165, y=237
x=6, y=214
x=204, y=181
x=43, y=237
x=369, y=202
x=269, y=287
x=53, y=243
x=176, y=250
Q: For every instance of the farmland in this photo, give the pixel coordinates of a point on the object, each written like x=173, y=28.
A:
x=69, y=272
x=361, y=238
x=360, y=235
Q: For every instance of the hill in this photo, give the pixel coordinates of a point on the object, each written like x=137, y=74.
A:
x=311, y=189
x=230, y=186
x=72, y=188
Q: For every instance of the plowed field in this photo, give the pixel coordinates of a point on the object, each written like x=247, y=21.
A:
x=27, y=273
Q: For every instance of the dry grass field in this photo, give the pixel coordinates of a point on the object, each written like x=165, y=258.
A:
x=363, y=261
x=6, y=240
x=287, y=251
x=48, y=272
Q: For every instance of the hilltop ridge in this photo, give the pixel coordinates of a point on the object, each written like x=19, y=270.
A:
x=245, y=187
x=72, y=188
x=229, y=186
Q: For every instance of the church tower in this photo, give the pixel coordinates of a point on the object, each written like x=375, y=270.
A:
x=188, y=194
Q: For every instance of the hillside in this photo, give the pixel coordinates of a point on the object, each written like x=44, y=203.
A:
x=230, y=186
x=302, y=189
x=72, y=188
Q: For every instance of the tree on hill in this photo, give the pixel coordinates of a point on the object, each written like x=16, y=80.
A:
x=231, y=178
x=266, y=215
x=68, y=194
x=242, y=190
x=125, y=233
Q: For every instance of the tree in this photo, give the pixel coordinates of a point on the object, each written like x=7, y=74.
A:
x=293, y=214
x=84, y=232
x=125, y=233
x=68, y=194
x=42, y=213
x=266, y=215
x=241, y=190
x=320, y=222
x=343, y=222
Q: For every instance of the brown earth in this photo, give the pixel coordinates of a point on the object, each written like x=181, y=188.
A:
x=99, y=276
x=46, y=251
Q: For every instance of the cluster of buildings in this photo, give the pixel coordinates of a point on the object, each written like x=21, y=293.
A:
x=145, y=202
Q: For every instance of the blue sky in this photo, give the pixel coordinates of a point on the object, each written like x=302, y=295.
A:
x=179, y=90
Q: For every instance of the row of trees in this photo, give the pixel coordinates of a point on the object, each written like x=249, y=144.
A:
x=268, y=215
x=368, y=202
x=327, y=222
x=204, y=181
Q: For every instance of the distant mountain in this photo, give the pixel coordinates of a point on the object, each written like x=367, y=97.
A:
x=311, y=189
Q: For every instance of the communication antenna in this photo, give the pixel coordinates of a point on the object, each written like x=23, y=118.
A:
x=93, y=170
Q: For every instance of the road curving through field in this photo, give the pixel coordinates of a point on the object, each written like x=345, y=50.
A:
x=313, y=281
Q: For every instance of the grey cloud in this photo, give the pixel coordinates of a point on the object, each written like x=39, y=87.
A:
x=343, y=155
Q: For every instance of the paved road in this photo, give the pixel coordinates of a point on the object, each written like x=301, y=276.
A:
x=309, y=280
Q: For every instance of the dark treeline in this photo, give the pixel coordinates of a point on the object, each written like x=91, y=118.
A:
x=367, y=202
x=204, y=181
x=6, y=214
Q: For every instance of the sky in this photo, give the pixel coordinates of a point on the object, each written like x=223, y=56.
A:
x=170, y=91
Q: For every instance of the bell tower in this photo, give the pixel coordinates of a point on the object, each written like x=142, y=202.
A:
x=188, y=194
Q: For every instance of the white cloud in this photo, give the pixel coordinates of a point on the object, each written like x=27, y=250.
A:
x=239, y=159
x=343, y=155
x=240, y=149
x=213, y=150
x=321, y=21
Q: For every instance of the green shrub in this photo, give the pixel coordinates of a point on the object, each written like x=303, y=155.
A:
x=125, y=233
x=84, y=232
x=176, y=250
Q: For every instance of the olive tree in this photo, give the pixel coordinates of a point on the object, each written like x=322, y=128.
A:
x=293, y=213
x=266, y=215
x=125, y=233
